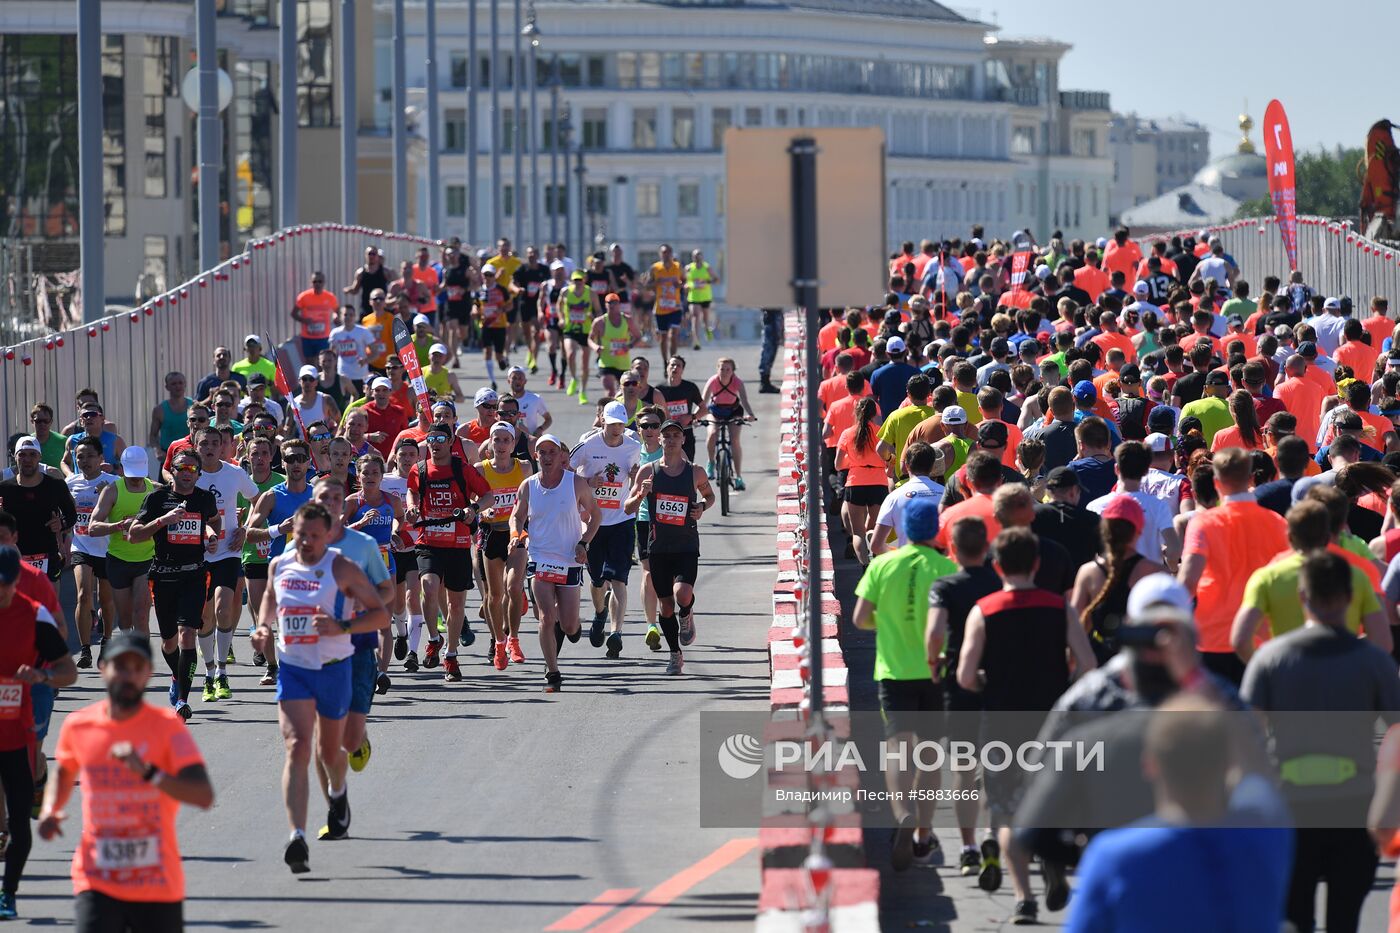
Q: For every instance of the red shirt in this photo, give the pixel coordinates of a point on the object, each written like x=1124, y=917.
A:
x=1093, y=280
x=979, y=505
x=1236, y=538
x=443, y=495
x=391, y=420
x=1379, y=327
x=37, y=587
x=183, y=443
x=1264, y=408
x=1108, y=341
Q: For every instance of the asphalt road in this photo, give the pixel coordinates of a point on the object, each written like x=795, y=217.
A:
x=487, y=804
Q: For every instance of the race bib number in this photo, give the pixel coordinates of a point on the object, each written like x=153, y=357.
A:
x=578, y=314
x=619, y=347
x=84, y=519
x=316, y=328
x=124, y=853
x=455, y=292
x=677, y=410
x=440, y=535
x=532, y=289
x=39, y=562
x=503, y=501
x=298, y=625
x=609, y=495
x=187, y=530
x=384, y=555
x=598, y=286
x=264, y=549
x=551, y=573
x=668, y=305
x=11, y=698
x=491, y=315
x=672, y=510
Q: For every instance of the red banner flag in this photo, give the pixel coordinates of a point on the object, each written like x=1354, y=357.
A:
x=1283, y=190
x=408, y=355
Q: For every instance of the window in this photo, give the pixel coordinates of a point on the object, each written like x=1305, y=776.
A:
x=454, y=137
x=721, y=118
x=456, y=200
x=644, y=128
x=158, y=84
x=596, y=200
x=1023, y=140
x=753, y=116
x=114, y=134
x=683, y=128
x=508, y=199
x=156, y=261
x=460, y=62
x=252, y=147
x=315, y=64
x=1086, y=143
x=688, y=199
x=648, y=199
x=595, y=128
x=507, y=129
x=719, y=199
x=646, y=258
x=780, y=116
x=595, y=70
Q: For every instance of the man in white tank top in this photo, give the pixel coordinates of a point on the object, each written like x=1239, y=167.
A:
x=558, y=508
x=310, y=587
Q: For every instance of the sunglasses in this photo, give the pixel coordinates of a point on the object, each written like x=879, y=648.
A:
x=650, y=426
x=198, y=419
x=630, y=385
x=41, y=420
x=308, y=378
x=295, y=458
x=322, y=437
x=92, y=414
x=438, y=438
x=187, y=468
x=489, y=406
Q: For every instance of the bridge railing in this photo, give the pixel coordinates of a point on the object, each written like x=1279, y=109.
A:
x=125, y=357
x=1334, y=258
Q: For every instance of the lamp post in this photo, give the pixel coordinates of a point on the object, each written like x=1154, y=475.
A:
x=532, y=34
x=582, y=192
x=398, y=129
x=566, y=135
x=554, y=149
x=495, y=72
x=516, y=67
x=434, y=219
x=90, y=200
x=473, y=79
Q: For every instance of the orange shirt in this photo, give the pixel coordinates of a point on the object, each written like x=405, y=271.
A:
x=864, y=466
x=316, y=313
x=1013, y=440
x=826, y=337
x=1303, y=399
x=1122, y=259
x=1231, y=437
x=1379, y=327
x=429, y=277
x=1359, y=358
x=1320, y=378
x=1251, y=344
x=978, y=505
x=1107, y=341
x=1093, y=280
x=929, y=431
x=841, y=415
x=1236, y=539
x=1376, y=428
x=833, y=389
x=1309, y=469
x=128, y=848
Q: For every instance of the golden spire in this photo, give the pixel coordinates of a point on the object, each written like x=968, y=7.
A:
x=1246, y=124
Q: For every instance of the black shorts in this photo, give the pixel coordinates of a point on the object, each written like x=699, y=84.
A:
x=909, y=705
x=122, y=574
x=610, y=553
x=529, y=312
x=405, y=562
x=669, y=569
x=665, y=322
x=495, y=540
x=577, y=336
x=703, y=305
x=963, y=707
x=257, y=571
x=95, y=912
x=643, y=539
x=225, y=573
x=453, y=565
x=494, y=338
x=97, y=562
x=574, y=575
x=461, y=313
x=179, y=601
x=865, y=495
x=609, y=371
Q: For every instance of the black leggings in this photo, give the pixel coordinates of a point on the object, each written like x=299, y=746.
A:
x=18, y=780
x=95, y=912
x=1345, y=860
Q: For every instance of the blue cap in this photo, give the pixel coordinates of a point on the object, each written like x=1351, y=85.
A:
x=921, y=519
x=1084, y=390
x=9, y=563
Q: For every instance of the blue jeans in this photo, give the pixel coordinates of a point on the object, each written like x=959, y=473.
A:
x=772, y=336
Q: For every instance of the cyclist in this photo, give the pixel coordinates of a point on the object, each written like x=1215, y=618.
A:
x=727, y=402
x=504, y=565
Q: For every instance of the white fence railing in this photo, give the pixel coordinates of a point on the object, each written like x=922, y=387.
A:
x=1334, y=259
x=125, y=357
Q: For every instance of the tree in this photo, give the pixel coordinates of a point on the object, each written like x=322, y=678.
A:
x=1328, y=185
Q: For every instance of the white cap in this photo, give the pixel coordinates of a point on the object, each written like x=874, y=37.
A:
x=557, y=264
x=252, y=338
x=28, y=442
x=895, y=345
x=437, y=348
x=1141, y=290
x=550, y=439
x=421, y=319
x=954, y=414
x=135, y=463
x=381, y=381
x=1332, y=304
x=1283, y=330
x=1101, y=242
x=516, y=369
x=1157, y=595
x=615, y=246
x=1042, y=271
x=1157, y=442
x=488, y=269
x=308, y=370
x=503, y=427
x=485, y=396
x=615, y=413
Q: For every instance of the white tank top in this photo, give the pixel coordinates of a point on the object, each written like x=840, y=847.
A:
x=85, y=492
x=313, y=413
x=302, y=592
x=397, y=486
x=554, y=524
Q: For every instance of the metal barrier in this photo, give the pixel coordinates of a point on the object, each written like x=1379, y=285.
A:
x=1334, y=259
x=125, y=357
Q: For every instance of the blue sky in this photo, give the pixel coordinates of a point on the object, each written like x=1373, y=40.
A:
x=1332, y=65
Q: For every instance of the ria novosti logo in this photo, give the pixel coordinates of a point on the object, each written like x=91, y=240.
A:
x=740, y=756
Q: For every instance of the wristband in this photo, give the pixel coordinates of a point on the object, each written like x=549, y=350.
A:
x=151, y=773
x=274, y=532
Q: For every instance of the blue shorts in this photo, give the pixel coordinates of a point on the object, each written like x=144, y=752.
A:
x=364, y=672
x=610, y=552
x=665, y=322
x=41, y=698
x=329, y=686
x=311, y=347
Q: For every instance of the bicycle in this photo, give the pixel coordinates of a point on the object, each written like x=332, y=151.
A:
x=724, y=456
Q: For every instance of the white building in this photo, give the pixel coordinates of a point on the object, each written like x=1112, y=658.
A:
x=1151, y=157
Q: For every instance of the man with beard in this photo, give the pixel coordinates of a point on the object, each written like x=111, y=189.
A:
x=133, y=881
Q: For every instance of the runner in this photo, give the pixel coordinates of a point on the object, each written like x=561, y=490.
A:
x=41, y=504
x=526, y=283
x=310, y=585
x=551, y=311
x=457, y=280
x=353, y=344
x=127, y=871
x=407, y=606
x=612, y=337
x=377, y=514
x=577, y=307
x=700, y=279
x=726, y=400
x=380, y=323
x=93, y=423
x=670, y=487
x=504, y=565
x=682, y=399
x=128, y=562
x=270, y=520
x=368, y=279
x=168, y=418
x=608, y=461
x=666, y=278
x=558, y=508
x=257, y=463
x=89, y=553
x=314, y=312
x=309, y=405
x=535, y=414
x=649, y=421
x=624, y=279
x=492, y=305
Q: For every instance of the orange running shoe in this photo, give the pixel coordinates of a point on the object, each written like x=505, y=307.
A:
x=500, y=658
x=451, y=671
x=513, y=645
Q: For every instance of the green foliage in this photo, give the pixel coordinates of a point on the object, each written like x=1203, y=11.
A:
x=1328, y=185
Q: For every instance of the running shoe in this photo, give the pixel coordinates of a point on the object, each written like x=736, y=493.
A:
x=85, y=657
x=687, y=627
x=400, y=647
x=211, y=693
x=553, y=682
x=553, y=378
x=676, y=665
x=360, y=756
x=710, y=334
x=230, y=659
x=468, y=637
x=222, y=689
x=451, y=670
x=431, y=658
x=491, y=649
x=530, y=361
x=970, y=862
x=1056, y=885
x=902, y=846
x=7, y=906
x=337, y=817
x=615, y=645
x=928, y=853
x=184, y=710
x=494, y=387
x=410, y=662
x=989, y=878
x=653, y=637
x=500, y=660
x=297, y=856
x=513, y=647
x=597, y=631
x=739, y=483
x=582, y=399
x=573, y=387
x=697, y=342
x=174, y=693
x=382, y=683
x=259, y=659
x=575, y=635
x=269, y=677
x=1027, y=913
x=97, y=638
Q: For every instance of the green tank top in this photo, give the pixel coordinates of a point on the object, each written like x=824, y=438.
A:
x=617, y=345
x=127, y=505
x=644, y=513
x=961, y=445
x=173, y=424
x=697, y=282
x=578, y=309
x=259, y=553
x=438, y=383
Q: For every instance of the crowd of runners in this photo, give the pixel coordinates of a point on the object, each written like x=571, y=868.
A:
x=1097, y=476
x=351, y=513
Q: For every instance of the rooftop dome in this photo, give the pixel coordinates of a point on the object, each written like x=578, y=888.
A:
x=1243, y=175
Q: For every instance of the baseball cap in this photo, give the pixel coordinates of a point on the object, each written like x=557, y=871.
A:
x=1157, y=442
x=1217, y=378
x=252, y=338
x=488, y=269
x=421, y=319
x=1130, y=373
x=1332, y=304
x=1346, y=304
x=892, y=316
x=516, y=369
x=135, y=463
x=1000, y=345
x=612, y=298
x=28, y=442
x=549, y=439
x=954, y=414
x=503, y=427
x=668, y=425
x=1084, y=390
x=1042, y=271
x=483, y=254
x=1126, y=508
x=992, y=432
x=1162, y=420
x=308, y=370
x=1214, y=240
x=615, y=413
x=381, y=381
x=127, y=641
x=556, y=264
x=9, y=564
x=1062, y=477
x=485, y=396
x=1283, y=330
x=437, y=348
x=91, y=408
x=921, y=519
x=257, y=379
x=1101, y=242
x=1308, y=348
x=1236, y=319
x=1141, y=289
x=578, y=275
x=895, y=345
x=1157, y=596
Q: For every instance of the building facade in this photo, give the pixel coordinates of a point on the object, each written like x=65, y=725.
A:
x=1151, y=157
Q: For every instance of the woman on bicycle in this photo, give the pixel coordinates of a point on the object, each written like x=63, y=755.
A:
x=726, y=400
x=376, y=513
x=866, y=485
x=505, y=564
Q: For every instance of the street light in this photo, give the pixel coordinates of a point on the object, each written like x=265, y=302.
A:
x=565, y=138
x=532, y=34
x=554, y=149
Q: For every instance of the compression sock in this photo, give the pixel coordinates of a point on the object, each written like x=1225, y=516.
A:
x=400, y=625
x=415, y=632
x=223, y=641
x=671, y=631
x=490, y=369
x=554, y=362
x=185, y=673
x=207, y=648
x=172, y=660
